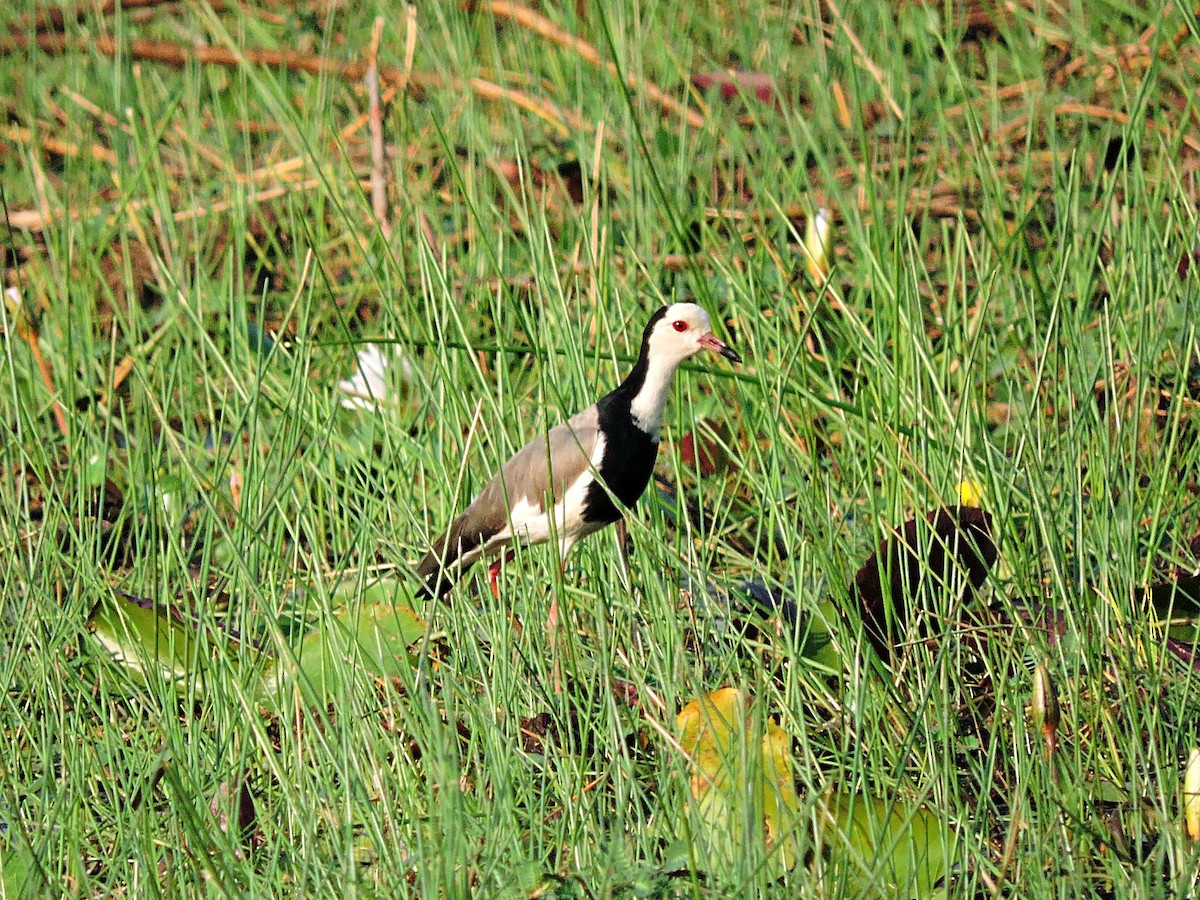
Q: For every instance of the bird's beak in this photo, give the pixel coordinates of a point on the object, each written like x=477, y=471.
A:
x=711, y=342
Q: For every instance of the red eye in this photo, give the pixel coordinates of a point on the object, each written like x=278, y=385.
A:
x=679, y=326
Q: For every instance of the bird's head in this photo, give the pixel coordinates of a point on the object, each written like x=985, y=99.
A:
x=682, y=330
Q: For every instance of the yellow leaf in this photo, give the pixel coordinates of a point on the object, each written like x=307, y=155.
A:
x=741, y=773
x=1191, y=795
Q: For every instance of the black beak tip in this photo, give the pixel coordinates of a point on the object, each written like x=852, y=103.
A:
x=730, y=354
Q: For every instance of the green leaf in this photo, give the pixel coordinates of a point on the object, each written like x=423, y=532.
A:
x=94, y=470
x=171, y=497
x=819, y=646
x=144, y=641
x=18, y=869
x=370, y=639
x=666, y=143
x=884, y=847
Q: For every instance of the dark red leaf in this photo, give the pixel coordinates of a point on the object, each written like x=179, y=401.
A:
x=706, y=445
x=1185, y=263
x=733, y=83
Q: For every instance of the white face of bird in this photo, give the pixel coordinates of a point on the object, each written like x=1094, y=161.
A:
x=683, y=332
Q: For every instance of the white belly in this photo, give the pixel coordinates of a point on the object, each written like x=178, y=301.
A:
x=529, y=523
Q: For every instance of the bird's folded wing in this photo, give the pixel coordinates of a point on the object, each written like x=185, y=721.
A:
x=546, y=465
x=562, y=456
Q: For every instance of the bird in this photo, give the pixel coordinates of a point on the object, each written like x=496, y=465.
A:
x=582, y=474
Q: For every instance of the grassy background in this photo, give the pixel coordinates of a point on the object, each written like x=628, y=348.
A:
x=1013, y=193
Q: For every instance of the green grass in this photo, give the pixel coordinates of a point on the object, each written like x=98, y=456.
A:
x=1004, y=306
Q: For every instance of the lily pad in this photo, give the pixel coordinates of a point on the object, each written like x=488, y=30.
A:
x=145, y=640
x=368, y=636
x=371, y=639
x=19, y=873
x=881, y=847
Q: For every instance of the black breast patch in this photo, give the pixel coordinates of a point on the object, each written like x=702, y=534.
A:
x=627, y=464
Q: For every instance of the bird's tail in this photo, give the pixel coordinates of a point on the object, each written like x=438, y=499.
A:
x=437, y=574
x=443, y=564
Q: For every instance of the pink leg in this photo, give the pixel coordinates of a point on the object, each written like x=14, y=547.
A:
x=552, y=636
x=622, y=546
x=494, y=572
x=552, y=617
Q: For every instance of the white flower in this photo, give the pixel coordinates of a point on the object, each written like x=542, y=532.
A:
x=818, y=241
x=369, y=385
